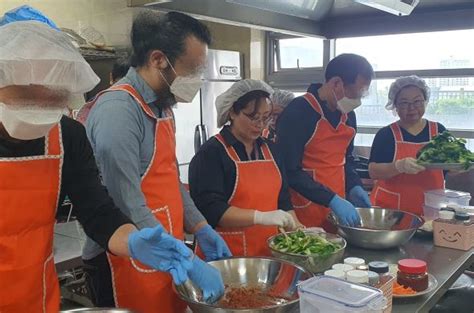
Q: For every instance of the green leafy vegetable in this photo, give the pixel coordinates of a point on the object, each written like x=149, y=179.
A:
x=303, y=243
x=445, y=148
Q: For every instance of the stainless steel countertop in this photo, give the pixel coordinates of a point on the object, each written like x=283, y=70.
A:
x=69, y=239
x=445, y=264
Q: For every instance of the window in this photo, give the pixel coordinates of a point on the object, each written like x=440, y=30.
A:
x=420, y=51
x=444, y=59
x=299, y=53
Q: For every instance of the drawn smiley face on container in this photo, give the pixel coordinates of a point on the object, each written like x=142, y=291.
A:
x=450, y=238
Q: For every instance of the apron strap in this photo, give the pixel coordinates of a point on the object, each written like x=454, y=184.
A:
x=53, y=142
x=229, y=149
x=397, y=132
x=433, y=129
x=131, y=91
x=311, y=99
x=267, y=154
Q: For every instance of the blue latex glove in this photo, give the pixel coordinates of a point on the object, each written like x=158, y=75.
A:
x=345, y=211
x=212, y=245
x=208, y=279
x=359, y=197
x=161, y=251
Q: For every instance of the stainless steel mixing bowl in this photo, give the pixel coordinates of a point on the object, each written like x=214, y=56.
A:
x=271, y=274
x=380, y=228
x=97, y=310
x=313, y=263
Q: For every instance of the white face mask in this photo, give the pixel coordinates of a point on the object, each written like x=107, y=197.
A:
x=184, y=88
x=29, y=122
x=346, y=105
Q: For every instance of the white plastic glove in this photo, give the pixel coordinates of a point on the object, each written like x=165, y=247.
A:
x=408, y=166
x=278, y=218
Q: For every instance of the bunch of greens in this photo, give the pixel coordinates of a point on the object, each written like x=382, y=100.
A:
x=303, y=243
x=445, y=148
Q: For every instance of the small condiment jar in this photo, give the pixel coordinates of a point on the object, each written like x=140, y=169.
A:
x=446, y=215
x=412, y=273
x=462, y=218
x=381, y=268
x=374, y=278
x=357, y=276
x=335, y=273
x=342, y=267
x=354, y=262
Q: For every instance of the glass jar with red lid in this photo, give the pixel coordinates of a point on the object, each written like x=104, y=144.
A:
x=413, y=273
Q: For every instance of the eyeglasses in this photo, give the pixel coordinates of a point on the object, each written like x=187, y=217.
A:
x=405, y=104
x=265, y=120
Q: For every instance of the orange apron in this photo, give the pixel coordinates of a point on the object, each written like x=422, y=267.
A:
x=29, y=195
x=137, y=286
x=323, y=159
x=257, y=186
x=404, y=191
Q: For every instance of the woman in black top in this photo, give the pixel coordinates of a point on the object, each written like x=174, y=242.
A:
x=401, y=181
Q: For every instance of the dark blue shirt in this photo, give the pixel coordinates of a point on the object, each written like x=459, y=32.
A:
x=295, y=126
x=383, y=147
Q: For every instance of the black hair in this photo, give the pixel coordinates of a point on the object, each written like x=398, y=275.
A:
x=348, y=66
x=245, y=100
x=120, y=68
x=166, y=32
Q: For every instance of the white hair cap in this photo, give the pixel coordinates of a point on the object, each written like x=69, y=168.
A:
x=33, y=53
x=282, y=97
x=403, y=82
x=226, y=100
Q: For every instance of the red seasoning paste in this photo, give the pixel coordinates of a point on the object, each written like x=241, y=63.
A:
x=412, y=273
x=248, y=298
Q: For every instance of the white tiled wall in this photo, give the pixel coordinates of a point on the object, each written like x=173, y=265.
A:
x=110, y=17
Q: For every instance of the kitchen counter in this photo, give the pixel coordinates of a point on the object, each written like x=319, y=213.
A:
x=69, y=239
x=445, y=264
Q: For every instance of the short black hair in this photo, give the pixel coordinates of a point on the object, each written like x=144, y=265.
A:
x=245, y=100
x=120, y=68
x=166, y=32
x=348, y=66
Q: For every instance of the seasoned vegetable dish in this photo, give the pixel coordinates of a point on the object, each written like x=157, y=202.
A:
x=445, y=148
x=303, y=243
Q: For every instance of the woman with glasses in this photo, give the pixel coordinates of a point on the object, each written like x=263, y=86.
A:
x=401, y=181
x=280, y=100
x=235, y=179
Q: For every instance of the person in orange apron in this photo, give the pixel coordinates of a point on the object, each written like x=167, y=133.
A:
x=235, y=178
x=132, y=132
x=44, y=157
x=316, y=135
x=280, y=99
x=401, y=182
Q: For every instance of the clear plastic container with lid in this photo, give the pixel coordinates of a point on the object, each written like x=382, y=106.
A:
x=322, y=294
x=440, y=198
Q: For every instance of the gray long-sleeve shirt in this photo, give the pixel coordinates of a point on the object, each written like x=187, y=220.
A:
x=122, y=137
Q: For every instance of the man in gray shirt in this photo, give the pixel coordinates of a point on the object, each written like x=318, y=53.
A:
x=132, y=135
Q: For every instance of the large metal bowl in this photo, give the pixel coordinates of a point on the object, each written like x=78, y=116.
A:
x=97, y=310
x=269, y=273
x=380, y=228
x=313, y=263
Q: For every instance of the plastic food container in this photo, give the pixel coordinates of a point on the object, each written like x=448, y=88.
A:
x=322, y=294
x=440, y=198
x=412, y=273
